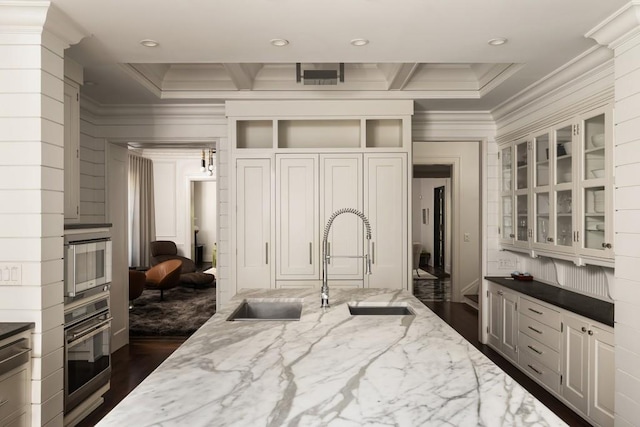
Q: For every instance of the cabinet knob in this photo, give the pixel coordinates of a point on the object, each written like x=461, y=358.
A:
x=607, y=245
x=549, y=239
x=512, y=235
x=590, y=332
x=583, y=329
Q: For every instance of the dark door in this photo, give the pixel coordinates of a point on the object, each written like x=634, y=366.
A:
x=438, y=227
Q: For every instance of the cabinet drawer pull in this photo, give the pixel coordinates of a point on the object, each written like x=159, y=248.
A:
x=535, y=370
x=535, y=349
x=266, y=253
x=310, y=253
x=536, y=311
x=534, y=330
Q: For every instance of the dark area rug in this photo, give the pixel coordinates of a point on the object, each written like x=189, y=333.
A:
x=181, y=313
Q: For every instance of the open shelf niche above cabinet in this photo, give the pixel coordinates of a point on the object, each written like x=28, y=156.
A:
x=355, y=125
x=319, y=133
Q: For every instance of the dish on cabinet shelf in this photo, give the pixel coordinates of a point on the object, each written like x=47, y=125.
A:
x=595, y=227
x=567, y=147
x=566, y=176
x=598, y=140
x=598, y=173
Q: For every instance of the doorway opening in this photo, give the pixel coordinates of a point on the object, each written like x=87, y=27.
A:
x=431, y=232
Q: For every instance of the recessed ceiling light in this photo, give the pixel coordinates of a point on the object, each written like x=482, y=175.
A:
x=279, y=42
x=149, y=43
x=499, y=41
x=359, y=42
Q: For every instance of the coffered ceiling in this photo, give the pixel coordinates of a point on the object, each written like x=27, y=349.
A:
x=433, y=51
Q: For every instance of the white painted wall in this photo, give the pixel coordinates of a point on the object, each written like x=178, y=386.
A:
x=204, y=203
x=171, y=172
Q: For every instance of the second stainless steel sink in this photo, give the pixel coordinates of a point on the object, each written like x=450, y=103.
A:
x=267, y=310
x=380, y=309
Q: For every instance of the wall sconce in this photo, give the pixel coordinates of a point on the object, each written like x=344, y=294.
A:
x=204, y=168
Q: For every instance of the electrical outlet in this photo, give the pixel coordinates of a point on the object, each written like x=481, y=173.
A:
x=10, y=274
x=467, y=237
x=507, y=263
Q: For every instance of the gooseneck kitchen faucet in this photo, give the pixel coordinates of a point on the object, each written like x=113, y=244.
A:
x=324, y=291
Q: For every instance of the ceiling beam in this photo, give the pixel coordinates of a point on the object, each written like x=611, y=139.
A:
x=242, y=75
x=400, y=75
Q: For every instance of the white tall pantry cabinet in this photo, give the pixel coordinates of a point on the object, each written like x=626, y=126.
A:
x=296, y=163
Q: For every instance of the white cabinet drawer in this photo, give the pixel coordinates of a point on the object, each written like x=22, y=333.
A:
x=540, y=372
x=538, y=351
x=13, y=392
x=540, y=332
x=540, y=313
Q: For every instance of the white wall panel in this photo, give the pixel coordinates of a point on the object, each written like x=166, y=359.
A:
x=164, y=175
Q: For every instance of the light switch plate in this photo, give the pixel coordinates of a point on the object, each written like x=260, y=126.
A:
x=10, y=274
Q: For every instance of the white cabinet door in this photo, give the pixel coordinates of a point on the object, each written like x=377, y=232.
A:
x=297, y=228
x=71, y=152
x=503, y=321
x=509, y=342
x=601, y=376
x=575, y=365
x=494, y=327
x=386, y=207
x=341, y=187
x=253, y=223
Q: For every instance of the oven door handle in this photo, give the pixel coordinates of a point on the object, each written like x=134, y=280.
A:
x=93, y=330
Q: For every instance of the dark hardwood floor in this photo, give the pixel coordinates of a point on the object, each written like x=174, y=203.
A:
x=134, y=362
x=130, y=365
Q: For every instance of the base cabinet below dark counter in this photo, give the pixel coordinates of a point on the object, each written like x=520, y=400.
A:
x=569, y=355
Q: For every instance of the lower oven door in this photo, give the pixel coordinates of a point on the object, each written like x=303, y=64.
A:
x=87, y=359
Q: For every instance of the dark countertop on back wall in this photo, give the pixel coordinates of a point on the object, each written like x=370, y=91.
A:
x=591, y=308
x=9, y=329
x=78, y=226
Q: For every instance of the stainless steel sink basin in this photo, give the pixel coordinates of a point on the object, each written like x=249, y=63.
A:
x=380, y=309
x=267, y=310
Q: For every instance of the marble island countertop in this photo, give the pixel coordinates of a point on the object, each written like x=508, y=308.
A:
x=329, y=369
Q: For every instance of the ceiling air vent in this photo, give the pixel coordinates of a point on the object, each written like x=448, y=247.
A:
x=319, y=77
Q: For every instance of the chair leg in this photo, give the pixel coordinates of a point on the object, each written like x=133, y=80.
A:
x=161, y=295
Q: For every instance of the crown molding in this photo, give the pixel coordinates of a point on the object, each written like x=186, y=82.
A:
x=65, y=29
x=39, y=22
x=113, y=113
x=452, y=125
x=23, y=17
x=622, y=26
x=569, y=77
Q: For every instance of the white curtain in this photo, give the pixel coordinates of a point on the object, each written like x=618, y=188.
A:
x=142, y=215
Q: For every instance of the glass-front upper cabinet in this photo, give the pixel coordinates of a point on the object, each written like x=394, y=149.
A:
x=563, y=237
x=506, y=195
x=596, y=184
x=542, y=189
x=523, y=229
x=557, y=190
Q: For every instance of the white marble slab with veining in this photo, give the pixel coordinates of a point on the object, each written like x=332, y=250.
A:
x=329, y=369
